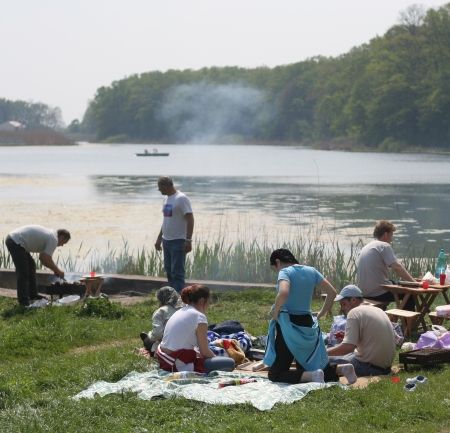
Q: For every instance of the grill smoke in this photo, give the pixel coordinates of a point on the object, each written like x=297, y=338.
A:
x=215, y=113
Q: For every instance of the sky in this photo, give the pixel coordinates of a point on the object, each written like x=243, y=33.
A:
x=60, y=52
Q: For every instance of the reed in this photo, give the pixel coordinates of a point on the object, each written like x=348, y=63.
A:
x=243, y=261
x=5, y=258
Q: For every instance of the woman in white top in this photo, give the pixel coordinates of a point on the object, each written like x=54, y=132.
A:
x=184, y=346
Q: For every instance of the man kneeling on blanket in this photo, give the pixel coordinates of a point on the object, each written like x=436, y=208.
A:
x=186, y=332
x=369, y=331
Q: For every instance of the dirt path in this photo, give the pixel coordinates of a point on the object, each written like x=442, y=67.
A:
x=122, y=299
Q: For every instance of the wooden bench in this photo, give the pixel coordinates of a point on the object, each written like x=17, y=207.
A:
x=437, y=320
x=379, y=304
x=408, y=319
x=324, y=296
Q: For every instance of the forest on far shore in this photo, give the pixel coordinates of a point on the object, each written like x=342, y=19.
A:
x=390, y=94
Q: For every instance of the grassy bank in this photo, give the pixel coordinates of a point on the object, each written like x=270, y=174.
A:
x=49, y=355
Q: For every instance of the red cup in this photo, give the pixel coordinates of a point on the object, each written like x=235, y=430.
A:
x=442, y=279
x=93, y=274
x=395, y=379
x=425, y=284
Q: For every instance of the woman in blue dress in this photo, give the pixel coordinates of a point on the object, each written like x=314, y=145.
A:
x=293, y=331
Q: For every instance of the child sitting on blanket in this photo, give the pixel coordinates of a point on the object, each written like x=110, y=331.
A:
x=169, y=302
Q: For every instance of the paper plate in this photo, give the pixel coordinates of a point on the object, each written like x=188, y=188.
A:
x=68, y=300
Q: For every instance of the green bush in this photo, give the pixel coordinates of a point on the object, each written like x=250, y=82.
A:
x=102, y=308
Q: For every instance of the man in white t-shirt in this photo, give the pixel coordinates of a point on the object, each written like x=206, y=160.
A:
x=374, y=262
x=369, y=341
x=33, y=239
x=176, y=232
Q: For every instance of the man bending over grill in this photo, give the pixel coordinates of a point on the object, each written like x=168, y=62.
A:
x=33, y=239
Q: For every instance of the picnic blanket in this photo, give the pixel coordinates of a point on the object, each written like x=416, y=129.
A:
x=262, y=394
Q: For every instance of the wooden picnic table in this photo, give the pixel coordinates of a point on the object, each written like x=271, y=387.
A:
x=423, y=298
x=418, y=284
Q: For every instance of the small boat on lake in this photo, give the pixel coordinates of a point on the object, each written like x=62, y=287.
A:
x=153, y=153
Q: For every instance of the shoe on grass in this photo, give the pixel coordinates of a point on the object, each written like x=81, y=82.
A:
x=417, y=379
x=410, y=387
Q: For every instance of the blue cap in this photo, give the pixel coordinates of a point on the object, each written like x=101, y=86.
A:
x=350, y=291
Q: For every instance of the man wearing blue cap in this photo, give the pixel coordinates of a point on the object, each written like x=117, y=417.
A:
x=368, y=342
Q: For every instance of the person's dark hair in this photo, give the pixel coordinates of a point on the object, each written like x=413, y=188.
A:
x=193, y=294
x=382, y=227
x=283, y=255
x=165, y=180
x=64, y=233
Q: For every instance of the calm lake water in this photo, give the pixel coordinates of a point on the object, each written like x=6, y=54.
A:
x=106, y=195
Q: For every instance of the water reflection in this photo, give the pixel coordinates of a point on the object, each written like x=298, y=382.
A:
x=348, y=212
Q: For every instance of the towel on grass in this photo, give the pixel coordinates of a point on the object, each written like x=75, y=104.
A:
x=262, y=394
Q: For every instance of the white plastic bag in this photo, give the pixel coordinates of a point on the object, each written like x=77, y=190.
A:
x=430, y=278
x=398, y=333
x=67, y=300
x=337, y=330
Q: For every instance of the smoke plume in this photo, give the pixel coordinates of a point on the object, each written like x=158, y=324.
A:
x=212, y=113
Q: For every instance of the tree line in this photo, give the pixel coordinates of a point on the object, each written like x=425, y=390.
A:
x=32, y=115
x=389, y=93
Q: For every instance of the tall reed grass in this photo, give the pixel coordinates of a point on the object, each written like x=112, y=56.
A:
x=241, y=261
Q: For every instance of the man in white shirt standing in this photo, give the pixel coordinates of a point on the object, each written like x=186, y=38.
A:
x=175, y=236
x=33, y=239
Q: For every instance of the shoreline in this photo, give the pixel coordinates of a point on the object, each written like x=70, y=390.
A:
x=325, y=146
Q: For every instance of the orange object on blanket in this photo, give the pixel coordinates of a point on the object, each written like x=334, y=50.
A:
x=233, y=349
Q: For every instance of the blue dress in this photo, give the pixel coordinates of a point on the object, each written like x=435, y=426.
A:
x=305, y=343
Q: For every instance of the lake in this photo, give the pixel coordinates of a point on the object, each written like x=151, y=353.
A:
x=106, y=196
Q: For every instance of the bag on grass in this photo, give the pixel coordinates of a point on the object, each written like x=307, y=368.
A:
x=337, y=330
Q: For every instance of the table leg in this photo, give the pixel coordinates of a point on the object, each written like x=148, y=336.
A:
x=401, y=302
x=423, y=304
x=446, y=297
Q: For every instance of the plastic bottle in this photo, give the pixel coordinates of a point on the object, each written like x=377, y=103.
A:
x=184, y=375
x=447, y=275
x=235, y=382
x=441, y=263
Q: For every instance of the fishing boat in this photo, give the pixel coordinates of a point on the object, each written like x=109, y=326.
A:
x=154, y=152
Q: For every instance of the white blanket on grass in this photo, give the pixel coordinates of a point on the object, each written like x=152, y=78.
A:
x=262, y=394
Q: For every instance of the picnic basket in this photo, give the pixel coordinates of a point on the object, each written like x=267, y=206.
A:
x=425, y=357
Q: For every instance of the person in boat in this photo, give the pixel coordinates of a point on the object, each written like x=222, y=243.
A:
x=169, y=302
x=184, y=346
x=293, y=331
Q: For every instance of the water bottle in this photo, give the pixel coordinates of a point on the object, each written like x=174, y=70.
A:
x=235, y=382
x=441, y=263
x=447, y=275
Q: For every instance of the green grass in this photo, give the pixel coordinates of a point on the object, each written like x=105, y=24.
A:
x=49, y=355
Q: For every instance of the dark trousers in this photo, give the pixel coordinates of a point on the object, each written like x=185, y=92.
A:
x=280, y=369
x=25, y=272
x=389, y=297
